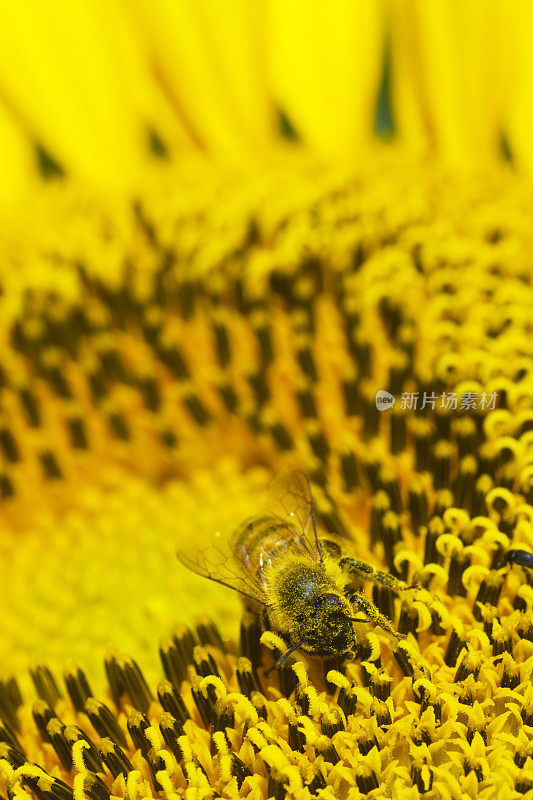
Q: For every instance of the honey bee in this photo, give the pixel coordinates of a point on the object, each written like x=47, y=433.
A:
x=299, y=583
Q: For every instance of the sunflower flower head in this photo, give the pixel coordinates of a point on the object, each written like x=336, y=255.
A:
x=175, y=331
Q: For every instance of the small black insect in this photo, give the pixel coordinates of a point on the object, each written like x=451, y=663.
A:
x=521, y=557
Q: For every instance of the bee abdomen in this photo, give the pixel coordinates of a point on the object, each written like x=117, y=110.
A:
x=262, y=541
x=253, y=531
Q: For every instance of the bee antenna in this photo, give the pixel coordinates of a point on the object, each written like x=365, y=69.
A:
x=358, y=619
x=289, y=651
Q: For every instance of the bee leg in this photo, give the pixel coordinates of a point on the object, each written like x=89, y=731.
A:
x=362, y=569
x=364, y=604
x=264, y=619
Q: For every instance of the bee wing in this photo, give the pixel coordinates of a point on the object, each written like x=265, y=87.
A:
x=290, y=497
x=218, y=562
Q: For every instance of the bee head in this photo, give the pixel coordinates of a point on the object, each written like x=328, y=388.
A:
x=332, y=630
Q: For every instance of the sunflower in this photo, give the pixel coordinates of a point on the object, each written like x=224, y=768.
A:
x=239, y=238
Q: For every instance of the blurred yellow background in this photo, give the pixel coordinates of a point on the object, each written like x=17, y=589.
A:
x=99, y=86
